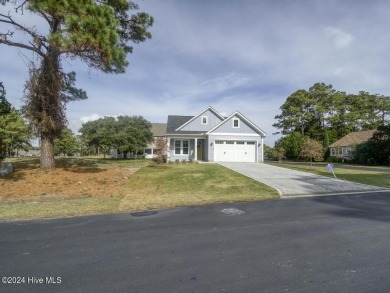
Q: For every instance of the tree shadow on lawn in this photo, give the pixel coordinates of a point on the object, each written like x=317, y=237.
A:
x=15, y=176
x=25, y=163
x=375, y=206
x=79, y=165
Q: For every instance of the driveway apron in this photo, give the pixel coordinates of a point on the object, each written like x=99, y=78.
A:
x=291, y=183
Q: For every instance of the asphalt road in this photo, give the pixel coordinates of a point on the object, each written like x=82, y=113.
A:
x=318, y=244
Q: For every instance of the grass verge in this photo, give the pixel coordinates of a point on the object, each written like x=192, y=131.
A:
x=359, y=176
x=57, y=207
x=151, y=187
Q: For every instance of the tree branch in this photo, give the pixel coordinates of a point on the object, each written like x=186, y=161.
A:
x=49, y=21
x=39, y=39
x=35, y=46
x=21, y=6
x=3, y=40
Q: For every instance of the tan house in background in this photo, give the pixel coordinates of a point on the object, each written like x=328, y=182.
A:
x=158, y=130
x=345, y=147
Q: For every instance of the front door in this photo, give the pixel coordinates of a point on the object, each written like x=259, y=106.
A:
x=199, y=150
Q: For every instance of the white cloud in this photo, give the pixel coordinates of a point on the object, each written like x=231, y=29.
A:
x=91, y=117
x=243, y=55
x=340, y=38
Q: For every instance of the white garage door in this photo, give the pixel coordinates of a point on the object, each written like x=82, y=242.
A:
x=234, y=151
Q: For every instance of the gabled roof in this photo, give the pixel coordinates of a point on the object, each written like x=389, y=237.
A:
x=159, y=129
x=243, y=118
x=353, y=138
x=175, y=121
x=194, y=117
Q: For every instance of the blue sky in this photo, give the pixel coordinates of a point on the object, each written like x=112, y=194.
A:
x=232, y=55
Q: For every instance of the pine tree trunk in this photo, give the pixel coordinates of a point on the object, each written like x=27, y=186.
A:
x=47, y=152
x=45, y=107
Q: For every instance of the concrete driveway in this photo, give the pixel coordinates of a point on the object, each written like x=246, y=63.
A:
x=290, y=182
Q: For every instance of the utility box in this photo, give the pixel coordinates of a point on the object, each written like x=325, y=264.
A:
x=6, y=169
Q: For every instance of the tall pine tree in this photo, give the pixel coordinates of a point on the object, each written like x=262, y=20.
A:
x=97, y=32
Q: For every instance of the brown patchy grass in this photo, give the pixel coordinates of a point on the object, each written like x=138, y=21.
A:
x=72, y=178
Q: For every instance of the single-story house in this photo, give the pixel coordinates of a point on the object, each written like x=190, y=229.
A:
x=345, y=147
x=158, y=130
x=209, y=136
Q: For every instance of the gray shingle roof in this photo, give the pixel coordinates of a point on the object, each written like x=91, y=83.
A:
x=159, y=129
x=175, y=121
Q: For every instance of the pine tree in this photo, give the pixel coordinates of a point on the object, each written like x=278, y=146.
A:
x=97, y=32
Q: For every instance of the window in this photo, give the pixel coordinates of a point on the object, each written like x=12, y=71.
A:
x=219, y=142
x=182, y=147
x=332, y=152
x=204, y=120
x=185, y=147
x=229, y=142
x=251, y=142
x=148, y=151
x=240, y=142
x=177, y=147
x=236, y=123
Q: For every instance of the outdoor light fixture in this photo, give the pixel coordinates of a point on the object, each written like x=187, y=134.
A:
x=211, y=144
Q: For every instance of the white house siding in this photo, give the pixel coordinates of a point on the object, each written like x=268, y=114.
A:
x=196, y=124
x=342, y=152
x=256, y=138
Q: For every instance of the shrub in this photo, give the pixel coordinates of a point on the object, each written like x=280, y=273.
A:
x=334, y=160
x=160, y=159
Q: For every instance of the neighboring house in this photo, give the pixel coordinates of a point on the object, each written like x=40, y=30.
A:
x=158, y=130
x=26, y=153
x=209, y=136
x=345, y=147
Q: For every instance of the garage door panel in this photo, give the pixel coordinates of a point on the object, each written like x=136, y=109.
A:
x=235, y=151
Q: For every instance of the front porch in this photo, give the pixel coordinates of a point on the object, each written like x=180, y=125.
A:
x=188, y=148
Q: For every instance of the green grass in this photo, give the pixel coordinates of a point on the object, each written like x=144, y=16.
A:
x=58, y=207
x=174, y=185
x=366, y=177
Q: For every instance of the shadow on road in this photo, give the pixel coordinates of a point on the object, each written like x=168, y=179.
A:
x=375, y=206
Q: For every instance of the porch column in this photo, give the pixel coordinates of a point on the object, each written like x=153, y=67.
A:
x=262, y=150
x=196, y=149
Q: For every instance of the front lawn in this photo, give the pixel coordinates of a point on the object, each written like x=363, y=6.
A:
x=82, y=186
x=190, y=184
